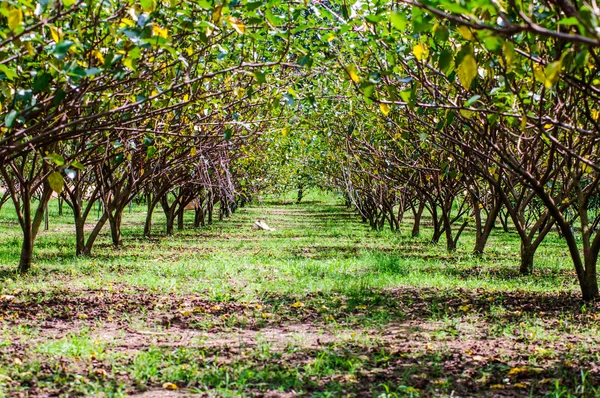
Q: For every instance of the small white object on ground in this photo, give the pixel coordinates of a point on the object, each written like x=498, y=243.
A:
x=260, y=224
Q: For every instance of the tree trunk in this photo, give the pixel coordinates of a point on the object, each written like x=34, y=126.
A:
x=148, y=224
x=170, y=222
x=416, y=230
x=115, y=228
x=483, y=233
x=94, y=234
x=527, y=253
x=27, y=246
x=79, y=230
x=450, y=241
x=180, y=215
x=210, y=211
x=199, y=217
x=589, y=284
x=31, y=226
x=437, y=227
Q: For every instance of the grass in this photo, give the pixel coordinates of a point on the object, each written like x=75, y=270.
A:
x=322, y=306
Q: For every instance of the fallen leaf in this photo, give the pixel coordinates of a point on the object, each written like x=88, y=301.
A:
x=170, y=386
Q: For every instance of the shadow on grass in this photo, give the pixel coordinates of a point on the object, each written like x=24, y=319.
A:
x=350, y=369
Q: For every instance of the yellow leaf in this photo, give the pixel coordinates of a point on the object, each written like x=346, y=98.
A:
x=82, y=316
x=99, y=56
x=352, y=71
x=467, y=70
x=216, y=15
x=509, y=53
x=237, y=25
x=538, y=74
x=56, y=34
x=127, y=22
x=594, y=114
x=30, y=49
x=421, y=52
x=552, y=73
x=297, y=304
x=15, y=18
x=160, y=32
x=193, y=152
x=465, y=32
x=385, y=109
x=517, y=370
x=497, y=387
x=466, y=113
x=170, y=386
x=585, y=167
x=524, y=122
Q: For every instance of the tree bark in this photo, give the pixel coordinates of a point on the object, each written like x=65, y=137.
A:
x=416, y=230
x=527, y=254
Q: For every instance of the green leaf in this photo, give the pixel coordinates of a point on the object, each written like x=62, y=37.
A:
x=150, y=151
x=10, y=73
x=569, y=21
x=407, y=96
x=398, y=20
x=227, y=134
x=61, y=49
x=41, y=81
x=56, y=181
x=9, y=119
x=55, y=158
x=472, y=100
x=492, y=43
x=467, y=70
x=148, y=5
x=445, y=61
x=306, y=61
x=77, y=165
x=260, y=77
x=59, y=96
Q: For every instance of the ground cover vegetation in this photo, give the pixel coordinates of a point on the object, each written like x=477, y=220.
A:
x=322, y=306
x=460, y=117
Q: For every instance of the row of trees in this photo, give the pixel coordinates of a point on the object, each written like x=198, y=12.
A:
x=474, y=112
x=103, y=102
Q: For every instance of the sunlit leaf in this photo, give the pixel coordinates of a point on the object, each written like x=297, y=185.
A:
x=56, y=181
x=15, y=18
x=420, y=51
x=352, y=71
x=467, y=70
x=385, y=108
